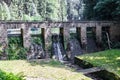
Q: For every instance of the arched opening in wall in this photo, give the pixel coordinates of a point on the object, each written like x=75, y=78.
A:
x=106, y=43
x=37, y=46
x=15, y=48
x=56, y=36
x=73, y=44
x=91, y=39
x=73, y=33
x=78, y=32
x=58, y=50
x=36, y=36
x=14, y=37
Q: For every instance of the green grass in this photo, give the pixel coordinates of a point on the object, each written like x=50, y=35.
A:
x=109, y=60
x=48, y=69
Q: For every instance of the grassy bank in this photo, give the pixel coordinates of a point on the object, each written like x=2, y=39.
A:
x=109, y=60
x=46, y=69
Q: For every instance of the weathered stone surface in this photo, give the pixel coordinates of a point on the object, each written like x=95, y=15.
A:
x=47, y=40
x=98, y=33
x=84, y=37
x=26, y=36
x=35, y=52
x=64, y=30
x=73, y=48
x=3, y=39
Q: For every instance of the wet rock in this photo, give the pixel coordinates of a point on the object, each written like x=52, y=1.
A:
x=36, y=52
x=73, y=49
x=58, y=51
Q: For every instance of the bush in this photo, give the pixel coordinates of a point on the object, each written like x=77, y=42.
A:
x=15, y=48
x=15, y=52
x=10, y=76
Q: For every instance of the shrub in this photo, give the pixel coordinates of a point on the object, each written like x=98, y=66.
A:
x=15, y=48
x=16, y=52
x=10, y=76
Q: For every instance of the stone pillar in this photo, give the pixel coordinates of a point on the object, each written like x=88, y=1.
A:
x=66, y=35
x=26, y=36
x=47, y=40
x=3, y=37
x=84, y=37
x=98, y=33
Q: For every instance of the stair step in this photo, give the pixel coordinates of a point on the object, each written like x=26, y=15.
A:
x=90, y=70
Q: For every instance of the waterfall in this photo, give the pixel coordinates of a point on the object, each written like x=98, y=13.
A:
x=58, y=51
x=60, y=56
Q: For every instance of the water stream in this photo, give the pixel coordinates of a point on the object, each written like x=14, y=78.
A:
x=58, y=51
x=60, y=57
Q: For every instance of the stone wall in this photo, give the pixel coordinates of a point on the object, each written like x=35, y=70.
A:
x=3, y=34
x=64, y=30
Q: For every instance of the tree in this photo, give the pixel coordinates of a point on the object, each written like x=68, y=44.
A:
x=102, y=10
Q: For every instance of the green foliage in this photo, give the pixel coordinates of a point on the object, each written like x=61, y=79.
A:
x=10, y=76
x=116, y=44
x=32, y=10
x=15, y=40
x=37, y=39
x=102, y=9
x=89, y=12
x=15, y=49
x=15, y=52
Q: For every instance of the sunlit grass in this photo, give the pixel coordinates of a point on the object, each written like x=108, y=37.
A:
x=109, y=60
x=47, y=69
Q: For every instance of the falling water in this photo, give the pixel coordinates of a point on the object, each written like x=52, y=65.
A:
x=57, y=48
x=60, y=56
